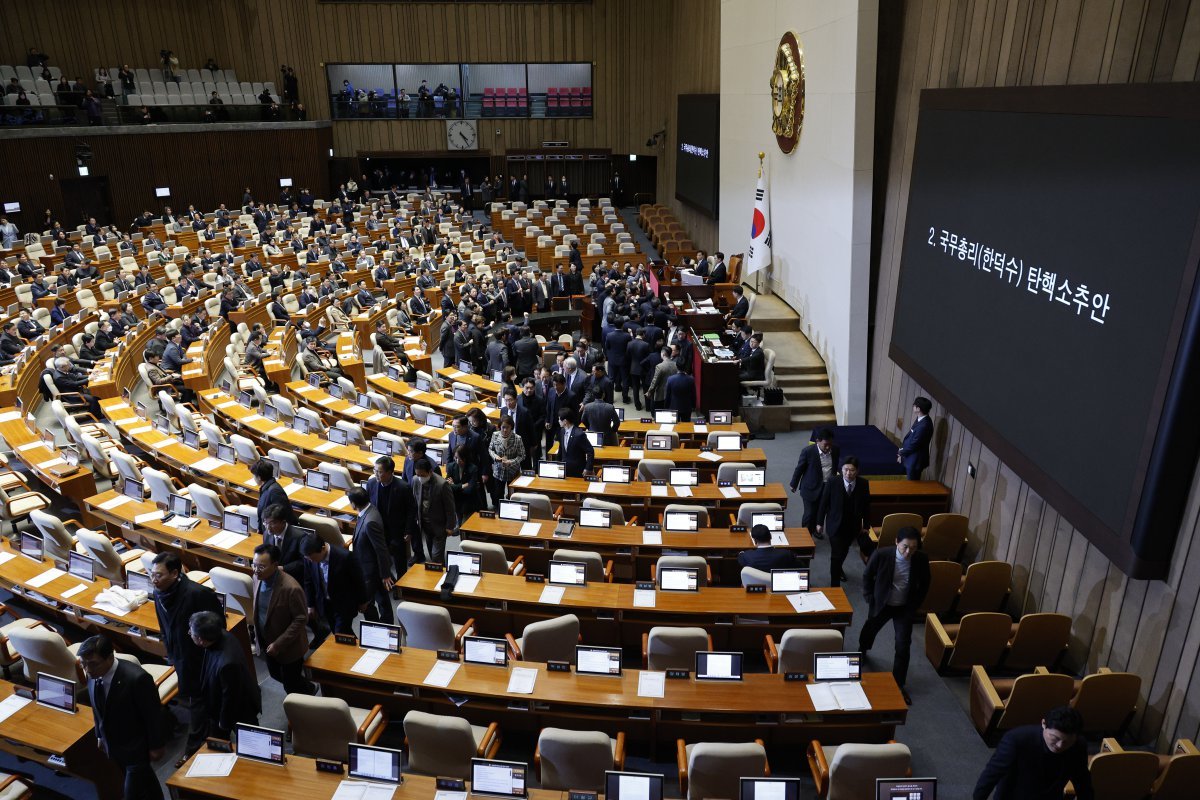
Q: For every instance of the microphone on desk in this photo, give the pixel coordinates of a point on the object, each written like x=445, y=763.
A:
x=450, y=581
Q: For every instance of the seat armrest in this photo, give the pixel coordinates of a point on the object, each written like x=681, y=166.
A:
x=376, y=711
x=608, y=571
x=1110, y=745
x=514, y=649
x=708, y=573
x=619, y=752
x=645, y=650
x=820, y=767
x=1185, y=747
x=770, y=653
x=517, y=566
x=873, y=535
x=490, y=742
x=467, y=629
x=8, y=505
x=681, y=763
x=766, y=763
x=632, y=521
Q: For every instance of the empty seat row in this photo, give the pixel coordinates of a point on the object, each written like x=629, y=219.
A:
x=1106, y=700
x=23, y=72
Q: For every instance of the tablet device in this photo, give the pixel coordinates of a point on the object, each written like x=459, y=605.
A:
x=335, y=390
x=463, y=395
x=80, y=566
x=720, y=417
x=684, y=477
x=751, y=478
x=718, y=666
x=837, y=666
x=376, y=764
x=728, y=441
x=226, y=453
x=191, y=438
x=679, y=579
x=906, y=789
x=315, y=479
x=498, y=778
x=300, y=424
x=393, y=373
x=338, y=435
x=32, y=546
x=139, y=582
x=498, y=376
x=423, y=384
x=785, y=581
x=552, y=469
x=379, y=636
x=435, y=420
x=482, y=650
x=668, y=417
x=632, y=786
x=681, y=521
x=467, y=563
x=270, y=412
x=134, y=490
x=659, y=441
x=614, y=474
x=465, y=366
x=595, y=438
x=770, y=789
x=56, y=693
x=515, y=510
x=235, y=522
x=772, y=519
x=568, y=573
x=590, y=660
x=362, y=401
x=595, y=518
x=258, y=744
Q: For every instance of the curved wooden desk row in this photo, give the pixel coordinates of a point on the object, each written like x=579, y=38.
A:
x=46, y=462
x=626, y=545
x=299, y=777
x=708, y=494
x=199, y=466
x=705, y=460
x=609, y=614
x=72, y=600
x=409, y=395
x=759, y=706
x=59, y=741
x=374, y=421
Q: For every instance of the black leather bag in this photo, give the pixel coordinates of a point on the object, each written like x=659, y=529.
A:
x=772, y=396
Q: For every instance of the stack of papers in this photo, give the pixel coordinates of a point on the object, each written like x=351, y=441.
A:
x=369, y=662
x=364, y=790
x=212, y=765
x=225, y=540
x=840, y=696
x=114, y=502
x=729, y=491
x=522, y=481
x=552, y=595
x=442, y=673
x=530, y=529
x=599, y=487
x=683, y=491
x=710, y=456
x=658, y=491
x=207, y=464
x=521, y=680
x=643, y=598
x=149, y=516
x=652, y=684
x=466, y=584
x=809, y=602
x=779, y=539
x=11, y=705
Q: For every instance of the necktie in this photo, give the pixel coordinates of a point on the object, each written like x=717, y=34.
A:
x=99, y=696
x=849, y=488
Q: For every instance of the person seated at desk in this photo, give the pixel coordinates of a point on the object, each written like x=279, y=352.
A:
x=315, y=362
x=89, y=350
x=385, y=341
x=158, y=375
x=38, y=288
x=719, y=273
x=153, y=302
x=333, y=588
x=363, y=295
x=10, y=343
x=753, y=366
x=56, y=350
x=279, y=312
x=58, y=314
x=70, y=379
x=765, y=556
x=124, y=320
x=227, y=687
x=574, y=449
x=174, y=354
x=741, y=306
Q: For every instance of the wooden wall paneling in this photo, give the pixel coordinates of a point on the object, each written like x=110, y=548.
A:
x=1187, y=55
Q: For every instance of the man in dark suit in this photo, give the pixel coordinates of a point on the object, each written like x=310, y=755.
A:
x=574, y=449
x=333, y=588
x=600, y=416
x=153, y=301
x=681, y=393
x=560, y=284
x=525, y=424
x=269, y=492
x=226, y=683
x=914, y=450
x=753, y=366
x=842, y=515
x=527, y=352
x=598, y=387
x=127, y=714
x=895, y=583
x=280, y=613
x=557, y=399
x=741, y=307
x=370, y=547
x=1034, y=762
x=616, y=346
x=384, y=339
x=435, y=511
x=719, y=273
x=392, y=497
x=817, y=464
x=176, y=599
x=765, y=556
x=279, y=531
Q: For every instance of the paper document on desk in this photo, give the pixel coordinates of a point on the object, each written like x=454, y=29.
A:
x=454, y=404
x=450, y=796
x=149, y=516
x=700, y=427
x=552, y=595
x=683, y=491
x=730, y=491
x=325, y=447
x=72, y=592
x=225, y=540
x=31, y=445
x=45, y=577
x=376, y=417
x=11, y=705
x=139, y=430
x=327, y=401
x=779, y=539
x=182, y=523
x=651, y=537
x=658, y=491
x=530, y=529
x=523, y=481
x=369, y=661
x=207, y=464
x=424, y=430
x=363, y=790
x=809, y=602
x=292, y=488
x=54, y=462
x=441, y=674
x=652, y=684
x=212, y=765
x=341, y=503
x=251, y=418
x=454, y=374
x=840, y=696
x=9, y=416
x=278, y=429
x=599, y=487
x=643, y=598
x=114, y=502
x=6, y=557
x=521, y=680
x=710, y=456
x=227, y=404
x=466, y=584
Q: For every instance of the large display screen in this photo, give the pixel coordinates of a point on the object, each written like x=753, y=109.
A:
x=696, y=162
x=1046, y=295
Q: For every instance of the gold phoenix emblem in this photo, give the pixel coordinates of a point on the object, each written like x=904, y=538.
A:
x=787, y=92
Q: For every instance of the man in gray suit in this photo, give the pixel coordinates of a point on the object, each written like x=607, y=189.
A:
x=435, y=509
x=371, y=550
x=656, y=389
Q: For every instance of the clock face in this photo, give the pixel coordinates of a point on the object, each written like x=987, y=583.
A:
x=787, y=92
x=462, y=134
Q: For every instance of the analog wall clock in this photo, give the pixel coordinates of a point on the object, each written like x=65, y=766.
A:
x=462, y=134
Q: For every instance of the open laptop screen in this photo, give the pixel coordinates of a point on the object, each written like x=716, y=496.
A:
x=498, y=778
x=632, y=786
x=906, y=789
x=260, y=744
x=837, y=666
x=374, y=763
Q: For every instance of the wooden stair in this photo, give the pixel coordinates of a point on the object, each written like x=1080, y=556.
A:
x=799, y=369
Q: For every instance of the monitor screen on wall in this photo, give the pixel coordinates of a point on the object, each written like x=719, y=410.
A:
x=1047, y=296
x=696, y=151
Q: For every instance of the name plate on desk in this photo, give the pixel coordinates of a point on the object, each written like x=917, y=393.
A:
x=433, y=566
x=451, y=785
x=447, y=655
x=578, y=795
x=558, y=666
x=795, y=676
x=487, y=514
x=754, y=588
x=329, y=766
x=533, y=577
x=737, y=528
x=345, y=638
x=678, y=674
x=644, y=585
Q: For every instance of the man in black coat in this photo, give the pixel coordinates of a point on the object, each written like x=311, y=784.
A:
x=226, y=682
x=127, y=714
x=600, y=416
x=525, y=424
x=817, y=464
x=392, y=497
x=333, y=587
x=270, y=493
x=1034, y=762
x=574, y=449
x=528, y=353
x=635, y=356
x=765, y=556
x=842, y=515
x=279, y=531
x=371, y=550
x=895, y=583
x=176, y=599
x=616, y=346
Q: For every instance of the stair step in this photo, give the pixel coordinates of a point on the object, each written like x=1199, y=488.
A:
x=797, y=369
x=802, y=380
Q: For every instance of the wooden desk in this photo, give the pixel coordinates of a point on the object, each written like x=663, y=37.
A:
x=687, y=431
x=607, y=615
x=40, y=734
x=478, y=382
x=718, y=383
x=440, y=403
x=624, y=546
x=137, y=630
x=642, y=494
x=683, y=457
x=914, y=497
x=327, y=405
x=760, y=706
x=77, y=485
x=297, y=778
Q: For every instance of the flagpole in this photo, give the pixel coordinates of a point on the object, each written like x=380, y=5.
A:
x=761, y=156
